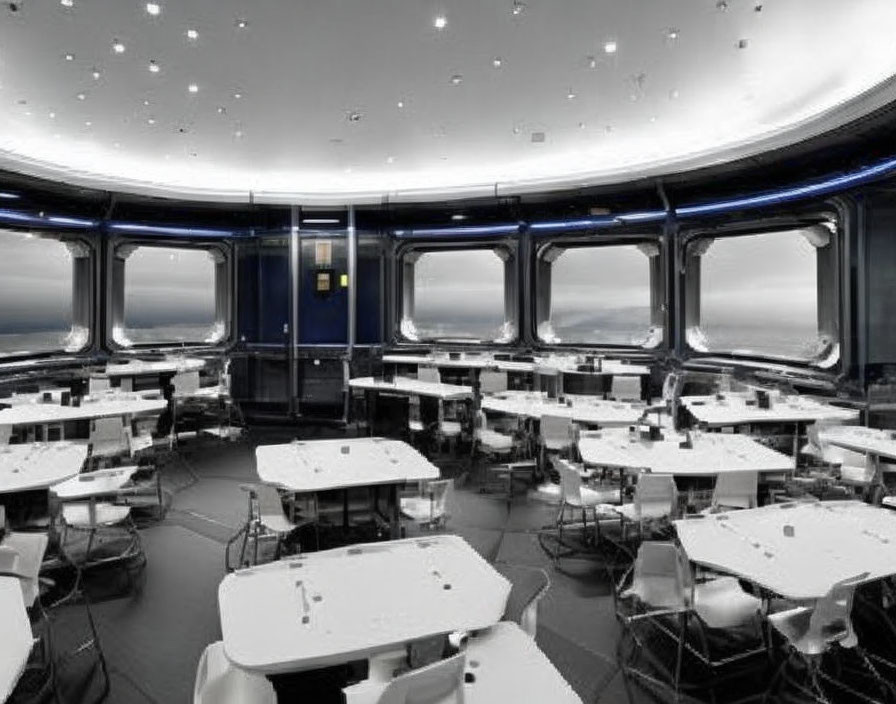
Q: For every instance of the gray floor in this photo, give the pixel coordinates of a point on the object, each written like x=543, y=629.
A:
x=154, y=637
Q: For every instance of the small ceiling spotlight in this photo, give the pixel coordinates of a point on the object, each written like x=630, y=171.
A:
x=69, y=57
x=81, y=96
x=221, y=110
x=458, y=217
x=518, y=8
x=67, y=3
x=96, y=73
x=193, y=88
x=153, y=8
x=192, y=34
x=237, y=96
x=242, y=23
x=399, y=104
x=151, y=120
x=117, y=47
x=610, y=46
x=497, y=62
x=570, y=94
x=456, y=79
x=52, y=115
x=390, y=159
x=440, y=22
x=153, y=67
x=591, y=61
x=672, y=34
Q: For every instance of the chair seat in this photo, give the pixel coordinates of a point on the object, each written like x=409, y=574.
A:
x=417, y=508
x=722, y=603
x=859, y=476
x=277, y=523
x=888, y=502
x=78, y=514
x=494, y=441
x=218, y=681
x=449, y=428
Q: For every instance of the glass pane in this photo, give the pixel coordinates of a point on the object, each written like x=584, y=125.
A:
x=36, y=277
x=759, y=295
x=459, y=294
x=169, y=296
x=600, y=295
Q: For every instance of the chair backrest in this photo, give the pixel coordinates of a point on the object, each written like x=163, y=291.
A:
x=98, y=383
x=492, y=382
x=438, y=491
x=528, y=587
x=9, y=560
x=109, y=437
x=570, y=481
x=736, y=490
x=185, y=383
x=432, y=684
x=269, y=502
x=556, y=432
x=415, y=420
x=429, y=374
x=831, y=618
x=5, y=434
x=626, y=388
x=671, y=386
x=661, y=577
x=655, y=495
x=220, y=682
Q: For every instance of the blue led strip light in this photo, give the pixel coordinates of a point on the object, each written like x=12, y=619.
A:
x=173, y=231
x=459, y=231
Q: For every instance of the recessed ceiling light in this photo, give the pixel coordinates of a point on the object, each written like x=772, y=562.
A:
x=238, y=134
x=221, y=109
x=497, y=62
x=153, y=67
x=456, y=79
x=518, y=7
x=610, y=46
x=193, y=88
x=67, y=3
x=69, y=57
x=52, y=115
x=592, y=61
x=517, y=129
x=458, y=216
x=153, y=8
x=354, y=116
x=151, y=120
x=390, y=159
x=81, y=96
x=399, y=104
x=118, y=47
x=672, y=34
x=440, y=22
x=88, y=123
x=570, y=95
x=242, y=24
x=237, y=96
x=192, y=34
x=146, y=103
x=96, y=74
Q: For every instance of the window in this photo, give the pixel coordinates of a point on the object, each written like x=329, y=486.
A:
x=761, y=294
x=459, y=294
x=169, y=295
x=598, y=295
x=40, y=310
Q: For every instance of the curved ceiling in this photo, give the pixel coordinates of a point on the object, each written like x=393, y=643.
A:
x=356, y=100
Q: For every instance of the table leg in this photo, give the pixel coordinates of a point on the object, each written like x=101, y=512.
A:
x=345, y=509
x=394, y=514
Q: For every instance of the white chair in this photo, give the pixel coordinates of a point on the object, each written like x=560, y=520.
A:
x=430, y=508
x=185, y=384
x=21, y=555
x=98, y=384
x=492, y=382
x=575, y=495
x=219, y=681
x=656, y=499
x=442, y=682
x=109, y=437
x=557, y=433
x=415, y=421
x=429, y=374
x=735, y=490
x=660, y=578
x=5, y=434
x=490, y=441
x=626, y=388
x=265, y=518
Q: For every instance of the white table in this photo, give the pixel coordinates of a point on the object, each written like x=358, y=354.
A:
x=607, y=367
x=508, y=667
x=413, y=387
x=140, y=367
x=325, y=465
x=327, y=608
x=15, y=645
x=734, y=410
x=463, y=362
x=585, y=409
x=711, y=454
x=831, y=541
x=107, y=406
x=34, y=397
x=870, y=441
x=39, y=465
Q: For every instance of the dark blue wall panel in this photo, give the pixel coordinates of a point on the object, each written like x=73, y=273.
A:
x=323, y=317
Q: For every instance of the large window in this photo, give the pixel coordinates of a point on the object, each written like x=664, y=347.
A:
x=169, y=295
x=598, y=295
x=463, y=294
x=769, y=294
x=40, y=310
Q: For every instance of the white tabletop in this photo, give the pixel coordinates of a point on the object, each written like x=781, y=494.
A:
x=509, y=667
x=831, y=541
x=464, y=362
x=39, y=465
x=140, y=367
x=101, y=482
x=585, y=409
x=733, y=410
x=34, y=397
x=31, y=548
x=413, y=387
x=15, y=645
x=710, y=454
x=608, y=367
x=872, y=441
x=319, y=465
x=105, y=407
x=331, y=607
